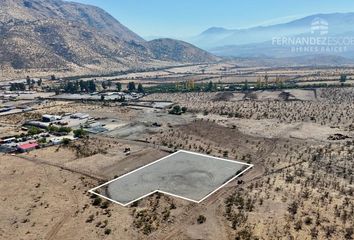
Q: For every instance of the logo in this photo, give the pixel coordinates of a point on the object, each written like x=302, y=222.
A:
x=317, y=40
x=319, y=26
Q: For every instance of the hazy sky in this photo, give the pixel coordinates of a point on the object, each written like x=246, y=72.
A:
x=184, y=18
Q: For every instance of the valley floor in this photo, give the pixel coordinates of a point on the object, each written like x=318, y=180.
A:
x=300, y=188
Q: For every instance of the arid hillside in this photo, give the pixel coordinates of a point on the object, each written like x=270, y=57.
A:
x=51, y=35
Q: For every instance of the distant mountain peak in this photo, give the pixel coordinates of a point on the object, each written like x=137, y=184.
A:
x=227, y=42
x=215, y=30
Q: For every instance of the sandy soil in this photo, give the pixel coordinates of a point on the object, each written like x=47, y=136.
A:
x=49, y=203
x=300, y=188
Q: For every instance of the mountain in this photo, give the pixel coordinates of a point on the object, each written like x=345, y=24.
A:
x=168, y=49
x=259, y=41
x=338, y=23
x=47, y=35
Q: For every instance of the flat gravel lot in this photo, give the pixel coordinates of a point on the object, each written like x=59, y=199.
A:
x=184, y=174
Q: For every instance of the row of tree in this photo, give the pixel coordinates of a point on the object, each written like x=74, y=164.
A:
x=132, y=88
x=90, y=86
x=79, y=86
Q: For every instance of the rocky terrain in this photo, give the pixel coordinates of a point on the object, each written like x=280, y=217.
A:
x=48, y=35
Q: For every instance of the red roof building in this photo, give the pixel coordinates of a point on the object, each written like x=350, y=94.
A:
x=27, y=147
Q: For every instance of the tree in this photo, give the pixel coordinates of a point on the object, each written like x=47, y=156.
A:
x=109, y=83
x=82, y=86
x=79, y=133
x=119, y=86
x=28, y=80
x=104, y=85
x=71, y=87
x=246, y=86
x=210, y=86
x=266, y=79
x=131, y=86
x=17, y=87
x=34, y=131
x=343, y=78
x=64, y=130
x=140, y=88
x=91, y=86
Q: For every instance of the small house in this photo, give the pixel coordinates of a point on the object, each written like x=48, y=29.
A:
x=27, y=147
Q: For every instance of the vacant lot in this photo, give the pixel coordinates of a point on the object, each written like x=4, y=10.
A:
x=184, y=174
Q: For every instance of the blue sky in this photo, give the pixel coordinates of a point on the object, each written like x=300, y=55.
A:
x=185, y=18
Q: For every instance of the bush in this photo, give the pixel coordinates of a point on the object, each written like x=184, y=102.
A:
x=66, y=141
x=90, y=218
x=52, y=128
x=42, y=140
x=177, y=110
x=97, y=201
x=34, y=131
x=64, y=129
x=107, y=231
x=201, y=219
x=105, y=205
x=79, y=133
x=308, y=221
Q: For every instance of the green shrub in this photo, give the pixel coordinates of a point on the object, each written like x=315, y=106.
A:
x=79, y=133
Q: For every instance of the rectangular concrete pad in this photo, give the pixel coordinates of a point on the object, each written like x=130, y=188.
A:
x=183, y=174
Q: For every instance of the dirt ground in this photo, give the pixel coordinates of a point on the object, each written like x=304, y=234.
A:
x=49, y=203
x=49, y=197
x=301, y=186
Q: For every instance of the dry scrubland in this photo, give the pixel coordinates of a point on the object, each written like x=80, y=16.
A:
x=300, y=188
x=332, y=107
x=236, y=72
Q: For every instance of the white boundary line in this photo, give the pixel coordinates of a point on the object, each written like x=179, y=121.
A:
x=167, y=193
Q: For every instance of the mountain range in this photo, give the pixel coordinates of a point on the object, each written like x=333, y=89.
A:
x=43, y=35
x=259, y=41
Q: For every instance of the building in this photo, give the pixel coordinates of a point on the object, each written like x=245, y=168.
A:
x=80, y=116
x=59, y=140
x=37, y=124
x=27, y=147
x=56, y=141
x=50, y=118
x=7, y=140
x=8, y=148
